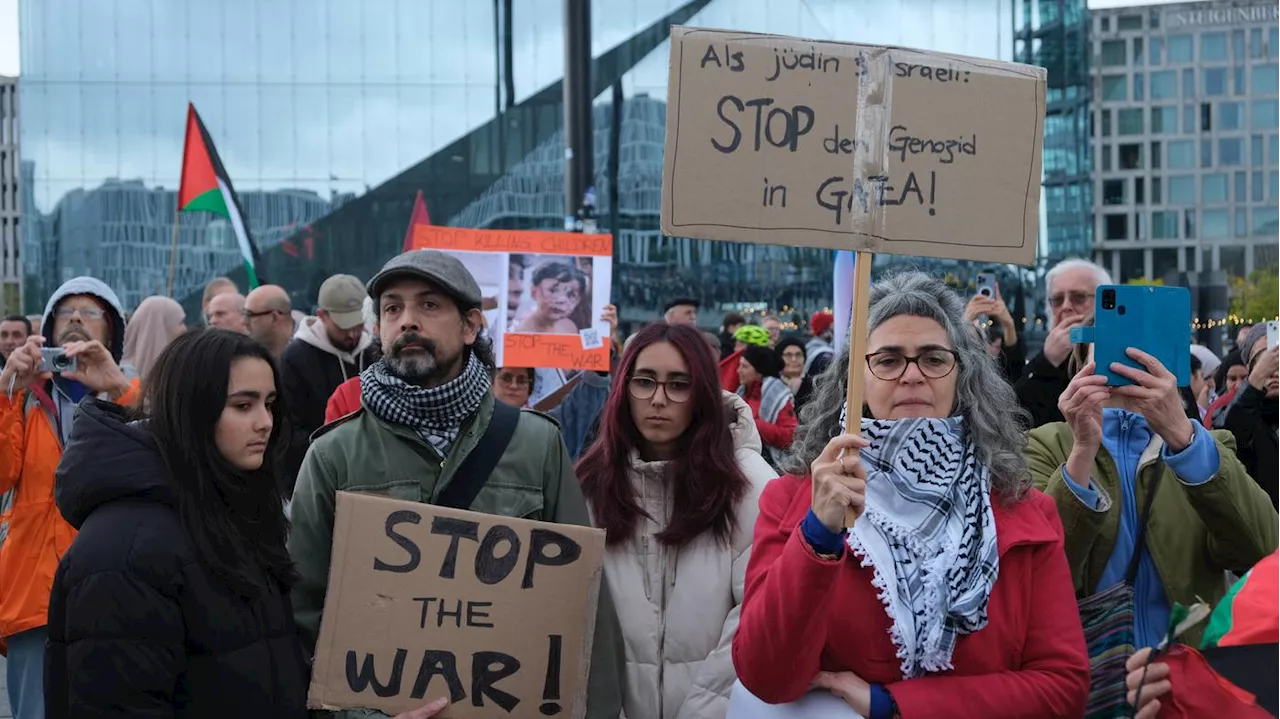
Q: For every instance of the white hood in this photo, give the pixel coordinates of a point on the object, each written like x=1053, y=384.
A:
x=311, y=331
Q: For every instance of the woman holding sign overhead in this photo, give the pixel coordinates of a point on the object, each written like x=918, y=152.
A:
x=173, y=599
x=951, y=596
x=674, y=478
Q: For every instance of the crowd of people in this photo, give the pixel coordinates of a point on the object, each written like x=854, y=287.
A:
x=1016, y=533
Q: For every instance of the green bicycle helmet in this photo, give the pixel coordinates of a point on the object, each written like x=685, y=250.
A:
x=752, y=335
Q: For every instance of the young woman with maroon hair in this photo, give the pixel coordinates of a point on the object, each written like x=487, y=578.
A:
x=674, y=478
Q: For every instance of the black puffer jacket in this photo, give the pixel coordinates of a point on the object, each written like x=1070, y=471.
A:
x=137, y=628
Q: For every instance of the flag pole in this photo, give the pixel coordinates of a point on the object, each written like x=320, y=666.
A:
x=173, y=251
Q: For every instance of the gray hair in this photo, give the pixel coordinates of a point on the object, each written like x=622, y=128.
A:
x=994, y=421
x=1100, y=276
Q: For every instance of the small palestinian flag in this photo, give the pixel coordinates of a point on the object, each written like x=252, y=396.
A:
x=205, y=187
x=1247, y=615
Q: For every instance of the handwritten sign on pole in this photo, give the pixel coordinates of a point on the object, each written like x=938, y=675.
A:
x=543, y=292
x=778, y=140
x=423, y=602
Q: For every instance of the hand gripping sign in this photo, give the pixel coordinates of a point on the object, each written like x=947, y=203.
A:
x=784, y=141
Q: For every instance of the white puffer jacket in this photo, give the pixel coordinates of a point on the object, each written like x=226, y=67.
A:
x=679, y=609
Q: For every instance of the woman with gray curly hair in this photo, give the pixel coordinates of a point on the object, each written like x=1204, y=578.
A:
x=951, y=596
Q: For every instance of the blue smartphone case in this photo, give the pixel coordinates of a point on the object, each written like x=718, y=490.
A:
x=1156, y=320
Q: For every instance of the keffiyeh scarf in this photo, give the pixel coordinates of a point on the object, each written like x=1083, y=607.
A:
x=774, y=395
x=435, y=414
x=928, y=533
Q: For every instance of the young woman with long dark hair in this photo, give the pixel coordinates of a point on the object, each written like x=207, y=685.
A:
x=674, y=477
x=173, y=599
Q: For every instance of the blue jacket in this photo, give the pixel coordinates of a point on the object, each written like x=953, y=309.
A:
x=1125, y=436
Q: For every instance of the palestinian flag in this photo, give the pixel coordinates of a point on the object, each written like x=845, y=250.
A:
x=205, y=187
x=1234, y=673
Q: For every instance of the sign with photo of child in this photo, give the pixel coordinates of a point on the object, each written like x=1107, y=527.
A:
x=543, y=292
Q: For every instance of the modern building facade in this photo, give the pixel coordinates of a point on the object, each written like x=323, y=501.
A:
x=331, y=116
x=1186, y=139
x=1055, y=35
x=10, y=181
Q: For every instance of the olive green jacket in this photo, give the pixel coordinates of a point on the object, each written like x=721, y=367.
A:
x=533, y=480
x=1194, y=534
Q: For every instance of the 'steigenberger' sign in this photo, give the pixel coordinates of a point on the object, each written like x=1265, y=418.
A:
x=1222, y=16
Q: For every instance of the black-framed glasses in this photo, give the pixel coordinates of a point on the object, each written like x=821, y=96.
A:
x=934, y=364
x=676, y=390
x=251, y=315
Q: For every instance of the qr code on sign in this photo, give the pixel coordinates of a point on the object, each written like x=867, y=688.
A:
x=591, y=338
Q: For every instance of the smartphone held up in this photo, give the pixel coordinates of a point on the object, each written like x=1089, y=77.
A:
x=1156, y=320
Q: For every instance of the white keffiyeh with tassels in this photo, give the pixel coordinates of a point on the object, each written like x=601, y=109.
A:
x=928, y=533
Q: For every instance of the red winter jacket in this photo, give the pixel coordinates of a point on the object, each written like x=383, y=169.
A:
x=802, y=614
x=344, y=400
x=774, y=434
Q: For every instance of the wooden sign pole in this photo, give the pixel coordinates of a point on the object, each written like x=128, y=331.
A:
x=857, y=352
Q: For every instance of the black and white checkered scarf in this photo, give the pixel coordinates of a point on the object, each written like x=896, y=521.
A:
x=929, y=534
x=436, y=414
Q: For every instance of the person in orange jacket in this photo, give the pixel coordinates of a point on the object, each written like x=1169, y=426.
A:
x=84, y=318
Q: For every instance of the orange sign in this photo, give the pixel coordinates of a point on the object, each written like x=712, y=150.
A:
x=437, y=237
x=545, y=291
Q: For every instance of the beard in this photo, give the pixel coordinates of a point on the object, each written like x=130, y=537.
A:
x=417, y=367
x=74, y=333
x=342, y=343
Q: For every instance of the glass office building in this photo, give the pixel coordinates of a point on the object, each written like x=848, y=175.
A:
x=332, y=116
x=1055, y=35
x=1186, y=132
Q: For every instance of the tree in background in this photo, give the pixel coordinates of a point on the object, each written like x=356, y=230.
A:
x=1257, y=298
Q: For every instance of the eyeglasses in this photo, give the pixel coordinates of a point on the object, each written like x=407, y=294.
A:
x=250, y=315
x=88, y=313
x=793, y=355
x=676, y=390
x=518, y=380
x=1076, y=298
x=934, y=364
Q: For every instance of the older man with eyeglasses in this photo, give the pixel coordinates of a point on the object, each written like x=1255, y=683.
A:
x=37, y=408
x=1071, y=286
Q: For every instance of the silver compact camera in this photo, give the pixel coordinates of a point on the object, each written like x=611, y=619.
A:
x=55, y=360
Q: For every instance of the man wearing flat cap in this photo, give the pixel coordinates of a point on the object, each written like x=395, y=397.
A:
x=429, y=430
x=682, y=311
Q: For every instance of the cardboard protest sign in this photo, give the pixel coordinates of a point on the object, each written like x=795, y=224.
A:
x=778, y=140
x=496, y=613
x=544, y=292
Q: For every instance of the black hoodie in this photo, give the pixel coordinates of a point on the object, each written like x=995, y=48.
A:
x=137, y=627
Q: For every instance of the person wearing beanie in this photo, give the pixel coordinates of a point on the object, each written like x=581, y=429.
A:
x=819, y=351
x=1230, y=375
x=744, y=336
x=770, y=400
x=791, y=352
x=1252, y=414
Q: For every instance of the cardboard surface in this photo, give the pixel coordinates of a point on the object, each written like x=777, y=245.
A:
x=424, y=602
x=785, y=141
x=530, y=327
